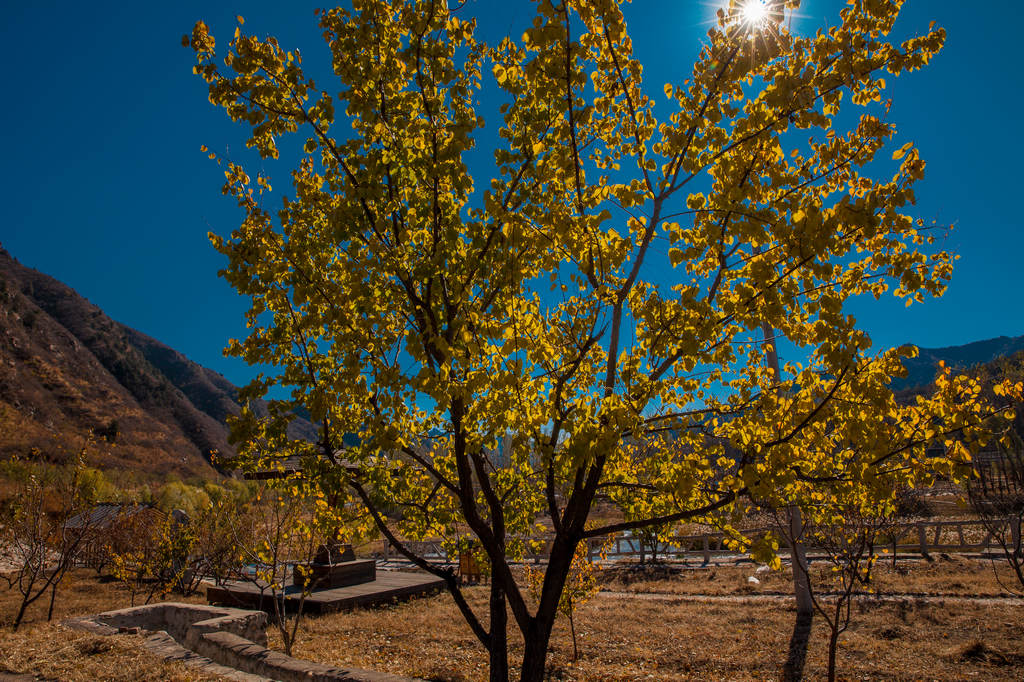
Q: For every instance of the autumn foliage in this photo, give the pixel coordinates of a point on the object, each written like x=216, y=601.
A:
x=605, y=290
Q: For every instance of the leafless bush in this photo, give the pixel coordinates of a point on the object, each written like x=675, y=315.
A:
x=37, y=535
x=996, y=494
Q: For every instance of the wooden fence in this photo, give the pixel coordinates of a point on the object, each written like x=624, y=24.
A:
x=921, y=537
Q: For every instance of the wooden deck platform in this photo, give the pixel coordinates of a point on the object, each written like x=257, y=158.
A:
x=389, y=586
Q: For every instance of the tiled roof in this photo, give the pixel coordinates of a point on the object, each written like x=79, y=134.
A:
x=105, y=515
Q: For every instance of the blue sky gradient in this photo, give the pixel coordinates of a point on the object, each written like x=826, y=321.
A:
x=106, y=189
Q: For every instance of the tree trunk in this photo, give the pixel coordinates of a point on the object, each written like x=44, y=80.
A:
x=794, y=666
x=1015, y=536
x=499, y=633
x=833, y=643
x=538, y=635
x=572, y=629
x=798, y=641
x=535, y=652
x=21, y=613
x=53, y=597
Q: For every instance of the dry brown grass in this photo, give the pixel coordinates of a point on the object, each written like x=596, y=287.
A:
x=690, y=641
x=628, y=638
x=52, y=651
x=948, y=575
x=621, y=637
x=82, y=592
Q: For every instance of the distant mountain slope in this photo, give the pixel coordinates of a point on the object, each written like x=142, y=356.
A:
x=921, y=370
x=68, y=369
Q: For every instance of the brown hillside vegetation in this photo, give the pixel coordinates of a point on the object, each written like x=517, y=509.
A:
x=68, y=370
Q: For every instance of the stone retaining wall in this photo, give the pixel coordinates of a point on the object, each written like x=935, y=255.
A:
x=235, y=638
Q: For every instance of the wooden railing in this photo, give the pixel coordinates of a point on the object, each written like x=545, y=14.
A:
x=920, y=537
x=429, y=549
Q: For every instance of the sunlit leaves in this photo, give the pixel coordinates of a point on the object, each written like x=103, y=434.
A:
x=507, y=350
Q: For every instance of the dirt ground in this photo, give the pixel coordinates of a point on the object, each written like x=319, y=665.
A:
x=626, y=638
x=664, y=630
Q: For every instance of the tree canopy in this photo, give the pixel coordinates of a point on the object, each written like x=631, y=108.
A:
x=503, y=351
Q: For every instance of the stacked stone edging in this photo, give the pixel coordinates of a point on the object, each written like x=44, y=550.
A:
x=237, y=652
x=188, y=622
x=232, y=637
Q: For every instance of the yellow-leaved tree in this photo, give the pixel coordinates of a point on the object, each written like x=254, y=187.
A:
x=500, y=352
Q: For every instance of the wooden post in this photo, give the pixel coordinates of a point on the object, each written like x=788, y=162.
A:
x=1015, y=534
x=922, y=538
x=707, y=550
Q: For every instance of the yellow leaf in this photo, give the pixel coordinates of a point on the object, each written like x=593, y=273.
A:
x=902, y=151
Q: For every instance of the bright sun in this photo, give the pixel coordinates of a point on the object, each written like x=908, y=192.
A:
x=754, y=13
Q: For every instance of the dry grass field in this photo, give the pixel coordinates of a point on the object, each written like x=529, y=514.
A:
x=630, y=639
x=666, y=631
x=50, y=651
x=669, y=634
x=947, y=575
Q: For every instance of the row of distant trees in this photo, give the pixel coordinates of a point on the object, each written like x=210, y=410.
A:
x=54, y=518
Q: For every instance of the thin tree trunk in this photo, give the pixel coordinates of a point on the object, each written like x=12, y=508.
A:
x=572, y=629
x=21, y=613
x=833, y=643
x=282, y=622
x=53, y=597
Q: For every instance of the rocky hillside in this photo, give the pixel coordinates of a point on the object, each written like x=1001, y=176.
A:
x=68, y=372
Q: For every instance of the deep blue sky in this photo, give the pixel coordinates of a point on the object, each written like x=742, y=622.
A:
x=104, y=186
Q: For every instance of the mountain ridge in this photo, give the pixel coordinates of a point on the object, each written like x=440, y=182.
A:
x=921, y=370
x=66, y=368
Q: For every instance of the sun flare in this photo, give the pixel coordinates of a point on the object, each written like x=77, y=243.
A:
x=754, y=13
